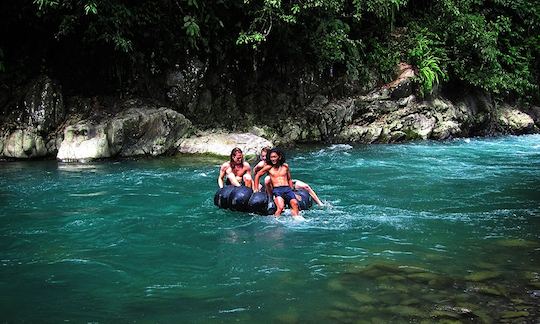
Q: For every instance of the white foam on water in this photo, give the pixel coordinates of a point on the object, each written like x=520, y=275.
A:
x=90, y=194
x=340, y=147
x=234, y=310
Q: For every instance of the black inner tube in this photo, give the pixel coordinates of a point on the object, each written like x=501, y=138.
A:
x=243, y=199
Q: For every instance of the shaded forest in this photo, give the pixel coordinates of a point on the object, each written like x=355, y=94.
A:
x=104, y=47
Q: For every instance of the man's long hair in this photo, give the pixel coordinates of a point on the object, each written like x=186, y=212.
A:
x=233, y=153
x=279, y=162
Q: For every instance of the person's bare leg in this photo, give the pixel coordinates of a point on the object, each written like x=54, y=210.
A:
x=302, y=185
x=280, y=205
x=268, y=186
x=294, y=207
x=247, y=180
x=295, y=211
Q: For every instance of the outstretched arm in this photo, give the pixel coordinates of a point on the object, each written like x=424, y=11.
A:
x=302, y=185
x=259, y=174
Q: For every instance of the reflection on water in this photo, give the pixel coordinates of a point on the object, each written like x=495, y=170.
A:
x=420, y=232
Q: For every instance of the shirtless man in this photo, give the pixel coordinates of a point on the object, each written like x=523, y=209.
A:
x=297, y=184
x=280, y=178
x=236, y=170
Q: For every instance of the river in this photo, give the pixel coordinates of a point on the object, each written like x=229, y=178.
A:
x=424, y=231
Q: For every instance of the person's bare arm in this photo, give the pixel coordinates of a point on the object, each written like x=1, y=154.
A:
x=259, y=174
x=232, y=177
x=221, y=175
x=258, y=167
x=248, y=180
x=289, y=178
x=247, y=168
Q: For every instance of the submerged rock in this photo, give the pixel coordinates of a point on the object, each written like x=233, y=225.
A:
x=517, y=243
x=406, y=311
x=498, y=291
x=514, y=315
x=483, y=276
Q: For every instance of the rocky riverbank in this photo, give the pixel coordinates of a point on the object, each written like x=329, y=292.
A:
x=40, y=122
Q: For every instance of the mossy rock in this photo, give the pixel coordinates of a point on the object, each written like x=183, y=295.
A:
x=517, y=301
x=335, y=285
x=341, y=316
x=288, y=317
x=513, y=315
x=522, y=307
x=535, y=284
x=367, y=309
x=450, y=321
x=486, y=265
x=477, y=311
x=379, y=269
x=406, y=311
x=488, y=290
x=410, y=301
x=441, y=282
x=436, y=257
x=423, y=277
x=342, y=306
x=411, y=269
x=531, y=275
x=391, y=278
x=444, y=314
x=362, y=298
x=518, y=243
x=394, y=287
x=483, y=276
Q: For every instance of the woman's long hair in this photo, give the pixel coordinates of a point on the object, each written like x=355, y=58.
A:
x=264, y=149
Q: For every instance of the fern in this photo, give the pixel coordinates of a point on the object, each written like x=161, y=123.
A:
x=426, y=56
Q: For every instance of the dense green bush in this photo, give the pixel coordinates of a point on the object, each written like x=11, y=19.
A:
x=112, y=45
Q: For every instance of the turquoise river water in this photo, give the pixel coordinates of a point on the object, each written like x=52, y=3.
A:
x=420, y=232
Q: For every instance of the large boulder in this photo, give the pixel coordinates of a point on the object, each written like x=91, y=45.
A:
x=330, y=117
x=514, y=121
x=23, y=143
x=44, y=105
x=146, y=132
x=29, y=123
x=385, y=120
x=221, y=143
x=133, y=132
x=84, y=141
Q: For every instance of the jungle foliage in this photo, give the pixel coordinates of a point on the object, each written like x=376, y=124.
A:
x=104, y=45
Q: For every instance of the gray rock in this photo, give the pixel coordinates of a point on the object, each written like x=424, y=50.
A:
x=220, y=143
x=44, y=105
x=185, y=83
x=32, y=119
x=331, y=117
x=24, y=143
x=133, y=132
x=84, y=142
x=295, y=129
x=513, y=121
